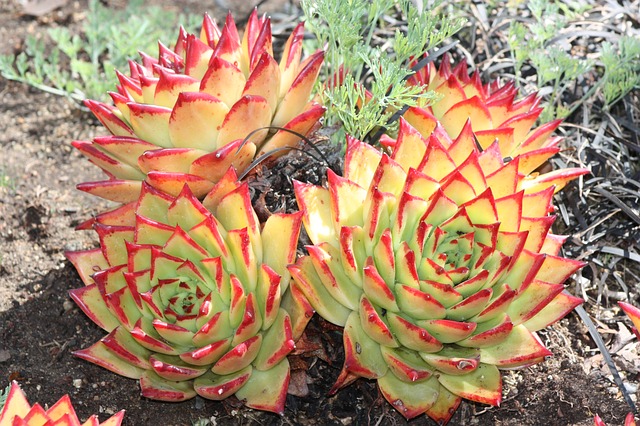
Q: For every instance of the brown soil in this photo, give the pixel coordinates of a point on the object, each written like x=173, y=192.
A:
x=40, y=326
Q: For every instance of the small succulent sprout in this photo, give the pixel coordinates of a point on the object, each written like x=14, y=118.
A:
x=629, y=420
x=18, y=412
x=192, y=297
x=438, y=262
x=498, y=119
x=183, y=118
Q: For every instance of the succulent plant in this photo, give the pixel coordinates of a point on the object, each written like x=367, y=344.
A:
x=495, y=114
x=628, y=421
x=192, y=296
x=438, y=262
x=18, y=412
x=183, y=118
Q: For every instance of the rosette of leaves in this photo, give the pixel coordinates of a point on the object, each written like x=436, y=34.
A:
x=439, y=263
x=192, y=297
x=216, y=100
x=495, y=111
x=18, y=412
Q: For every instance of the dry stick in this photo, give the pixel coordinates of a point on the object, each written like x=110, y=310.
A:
x=430, y=57
x=635, y=130
x=627, y=254
x=607, y=356
x=619, y=203
x=266, y=155
x=300, y=135
x=625, y=123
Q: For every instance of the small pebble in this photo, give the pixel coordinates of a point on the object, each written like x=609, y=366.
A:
x=199, y=403
x=77, y=383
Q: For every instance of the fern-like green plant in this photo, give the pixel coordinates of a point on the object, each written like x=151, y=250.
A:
x=356, y=55
x=82, y=65
x=622, y=69
x=555, y=67
x=536, y=43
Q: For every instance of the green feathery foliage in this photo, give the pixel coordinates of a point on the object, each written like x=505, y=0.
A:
x=538, y=43
x=347, y=29
x=82, y=65
x=622, y=68
x=555, y=67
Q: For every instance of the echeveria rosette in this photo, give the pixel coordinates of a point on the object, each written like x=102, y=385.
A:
x=183, y=118
x=495, y=112
x=18, y=412
x=191, y=297
x=439, y=263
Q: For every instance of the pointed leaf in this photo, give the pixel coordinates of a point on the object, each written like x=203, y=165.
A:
x=445, y=406
x=277, y=343
x=308, y=282
x=372, y=324
x=173, y=368
x=521, y=348
x=224, y=81
x=154, y=387
x=151, y=123
x=410, y=398
x=238, y=357
x=267, y=390
x=406, y=365
x=215, y=165
x=196, y=120
x=412, y=336
x=249, y=113
x=100, y=355
x=362, y=354
x=299, y=92
x=482, y=385
x=217, y=388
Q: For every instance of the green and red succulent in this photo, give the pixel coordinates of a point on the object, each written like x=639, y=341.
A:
x=498, y=118
x=192, y=297
x=212, y=102
x=494, y=108
x=436, y=256
x=439, y=263
x=18, y=412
